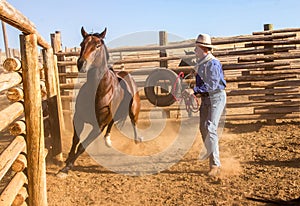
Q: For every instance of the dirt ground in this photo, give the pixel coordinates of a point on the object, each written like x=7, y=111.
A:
x=259, y=161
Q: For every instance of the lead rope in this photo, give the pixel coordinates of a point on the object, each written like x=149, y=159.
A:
x=191, y=101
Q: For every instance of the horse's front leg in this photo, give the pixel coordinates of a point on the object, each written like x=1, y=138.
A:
x=80, y=149
x=90, y=138
x=137, y=139
x=72, y=152
x=75, y=142
x=107, y=134
x=69, y=163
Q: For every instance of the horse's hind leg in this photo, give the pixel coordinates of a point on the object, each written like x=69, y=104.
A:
x=81, y=147
x=133, y=114
x=78, y=148
x=137, y=139
x=107, y=134
x=75, y=143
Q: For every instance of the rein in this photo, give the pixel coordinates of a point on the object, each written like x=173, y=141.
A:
x=189, y=100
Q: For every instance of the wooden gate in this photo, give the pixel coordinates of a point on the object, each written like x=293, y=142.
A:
x=28, y=147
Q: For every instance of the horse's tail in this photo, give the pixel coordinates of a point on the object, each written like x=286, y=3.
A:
x=120, y=117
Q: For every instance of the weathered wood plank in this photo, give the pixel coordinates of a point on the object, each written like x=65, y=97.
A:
x=9, y=114
x=257, y=117
x=287, y=83
x=54, y=101
x=17, y=127
x=15, y=94
x=36, y=169
x=254, y=65
x=12, y=64
x=261, y=91
x=21, y=197
x=277, y=31
x=10, y=154
x=20, y=163
x=262, y=104
x=269, y=57
x=277, y=110
x=275, y=97
x=8, y=80
x=16, y=19
x=275, y=42
x=12, y=189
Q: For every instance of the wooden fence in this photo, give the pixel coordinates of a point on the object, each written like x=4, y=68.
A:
x=261, y=69
x=26, y=84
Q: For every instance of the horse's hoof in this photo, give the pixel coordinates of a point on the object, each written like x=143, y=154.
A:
x=61, y=174
x=108, y=142
x=138, y=140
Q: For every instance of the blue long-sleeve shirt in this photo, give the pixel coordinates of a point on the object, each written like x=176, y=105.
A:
x=210, y=77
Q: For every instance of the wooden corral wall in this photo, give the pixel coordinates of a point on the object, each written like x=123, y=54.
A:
x=27, y=83
x=261, y=69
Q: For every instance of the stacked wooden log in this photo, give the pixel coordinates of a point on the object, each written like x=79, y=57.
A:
x=13, y=159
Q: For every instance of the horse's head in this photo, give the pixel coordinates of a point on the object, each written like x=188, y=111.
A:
x=92, y=46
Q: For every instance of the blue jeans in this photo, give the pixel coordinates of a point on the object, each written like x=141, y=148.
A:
x=211, y=109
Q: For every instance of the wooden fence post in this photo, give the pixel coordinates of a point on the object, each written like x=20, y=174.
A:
x=163, y=40
x=268, y=27
x=36, y=170
x=56, y=42
x=66, y=105
x=54, y=105
x=5, y=39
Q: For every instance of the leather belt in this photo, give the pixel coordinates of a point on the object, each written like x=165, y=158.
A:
x=206, y=94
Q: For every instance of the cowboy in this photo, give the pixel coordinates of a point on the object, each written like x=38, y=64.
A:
x=210, y=85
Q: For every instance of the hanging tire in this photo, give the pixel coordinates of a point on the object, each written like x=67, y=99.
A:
x=164, y=80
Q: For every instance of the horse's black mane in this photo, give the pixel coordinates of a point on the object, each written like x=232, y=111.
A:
x=95, y=34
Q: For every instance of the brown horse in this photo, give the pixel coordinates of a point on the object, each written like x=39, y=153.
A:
x=105, y=98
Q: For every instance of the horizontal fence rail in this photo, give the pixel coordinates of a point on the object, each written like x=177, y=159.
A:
x=261, y=70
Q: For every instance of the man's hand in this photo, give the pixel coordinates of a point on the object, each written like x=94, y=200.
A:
x=187, y=92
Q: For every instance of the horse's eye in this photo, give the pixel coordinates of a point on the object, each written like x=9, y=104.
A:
x=98, y=46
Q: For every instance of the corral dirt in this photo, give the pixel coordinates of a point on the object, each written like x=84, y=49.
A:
x=259, y=161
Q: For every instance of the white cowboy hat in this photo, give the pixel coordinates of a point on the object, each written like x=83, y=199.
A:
x=204, y=40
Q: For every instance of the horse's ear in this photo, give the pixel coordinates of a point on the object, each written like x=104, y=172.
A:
x=102, y=35
x=83, y=32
